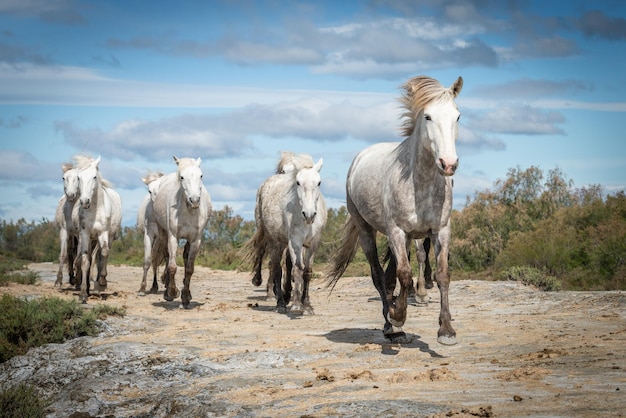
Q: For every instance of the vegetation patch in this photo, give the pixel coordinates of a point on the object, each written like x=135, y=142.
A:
x=31, y=323
x=21, y=401
x=533, y=277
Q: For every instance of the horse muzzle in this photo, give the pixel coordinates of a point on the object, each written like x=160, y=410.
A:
x=193, y=202
x=446, y=167
x=85, y=203
x=309, y=219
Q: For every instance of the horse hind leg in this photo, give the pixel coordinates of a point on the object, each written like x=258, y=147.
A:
x=275, y=276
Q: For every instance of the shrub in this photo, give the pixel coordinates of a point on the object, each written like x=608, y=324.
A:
x=21, y=401
x=31, y=323
x=532, y=276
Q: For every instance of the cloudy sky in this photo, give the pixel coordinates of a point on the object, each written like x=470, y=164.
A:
x=236, y=82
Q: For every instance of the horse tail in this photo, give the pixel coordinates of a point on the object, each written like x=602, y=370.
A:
x=345, y=253
x=253, y=250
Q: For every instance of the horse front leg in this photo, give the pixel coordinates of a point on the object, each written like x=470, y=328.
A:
x=147, y=262
x=102, y=257
x=446, y=334
x=63, y=238
x=307, y=276
x=275, y=276
x=297, y=275
x=171, y=292
x=84, y=256
x=189, y=254
x=421, y=295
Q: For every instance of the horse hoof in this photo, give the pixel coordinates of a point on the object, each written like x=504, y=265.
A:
x=141, y=293
x=308, y=310
x=296, y=309
x=446, y=339
x=394, y=322
x=256, y=281
x=422, y=300
x=281, y=309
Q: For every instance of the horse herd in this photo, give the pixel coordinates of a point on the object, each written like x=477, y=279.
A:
x=400, y=189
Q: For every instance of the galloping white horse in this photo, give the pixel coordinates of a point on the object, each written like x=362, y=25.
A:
x=290, y=213
x=100, y=218
x=66, y=218
x=146, y=221
x=181, y=208
x=404, y=190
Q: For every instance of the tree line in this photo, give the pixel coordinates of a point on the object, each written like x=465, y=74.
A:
x=530, y=219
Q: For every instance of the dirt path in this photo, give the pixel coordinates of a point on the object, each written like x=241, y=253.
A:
x=520, y=352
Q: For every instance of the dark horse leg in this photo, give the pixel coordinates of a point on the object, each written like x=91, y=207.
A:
x=428, y=272
x=446, y=334
x=367, y=238
x=258, y=265
x=288, y=283
x=276, y=274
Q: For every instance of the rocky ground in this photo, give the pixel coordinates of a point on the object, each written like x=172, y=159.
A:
x=520, y=352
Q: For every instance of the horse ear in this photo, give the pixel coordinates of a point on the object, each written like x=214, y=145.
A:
x=97, y=160
x=457, y=86
x=175, y=159
x=198, y=161
x=319, y=165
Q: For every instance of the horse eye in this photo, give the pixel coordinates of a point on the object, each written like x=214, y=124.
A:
x=427, y=117
x=319, y=184
x=459, y=118
x=297, y=183
x=201, y=175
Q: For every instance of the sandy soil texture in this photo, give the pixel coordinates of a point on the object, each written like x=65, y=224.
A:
x=520, y=352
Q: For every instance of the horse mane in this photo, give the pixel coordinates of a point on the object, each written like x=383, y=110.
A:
x=83, y=161
x=418, y=92
x=152, y=176
x=67, y=167
x=291, y=163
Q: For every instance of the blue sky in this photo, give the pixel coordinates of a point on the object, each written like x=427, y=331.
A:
x=236, y=82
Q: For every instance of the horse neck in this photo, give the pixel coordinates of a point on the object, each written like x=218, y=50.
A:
x=424, y=172
x=98, y=193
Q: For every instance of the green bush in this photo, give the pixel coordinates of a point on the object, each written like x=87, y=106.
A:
x=31, y=323
x=533, y=277
x=21, y=401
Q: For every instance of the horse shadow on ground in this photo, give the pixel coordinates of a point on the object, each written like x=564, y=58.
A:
x=364, y=336
x=175, y=304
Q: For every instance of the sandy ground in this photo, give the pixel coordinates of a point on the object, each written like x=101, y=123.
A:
x=520, y=351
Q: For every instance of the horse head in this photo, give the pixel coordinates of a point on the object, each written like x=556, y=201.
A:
x=308, y=181
x=153, y=181
x=89, y=180
x=190, y=179
x=436, y=118
x=70, y=181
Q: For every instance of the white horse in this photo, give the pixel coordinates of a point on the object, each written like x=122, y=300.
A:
x=404, y=190
x=181, y=208
x=100, y=218
x=256, y=255
x=66, y=218
x=290, y=214
x=146, y=222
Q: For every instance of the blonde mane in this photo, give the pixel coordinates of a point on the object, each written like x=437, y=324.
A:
x=292, y=163
x=418, y=92
x=83, y=161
